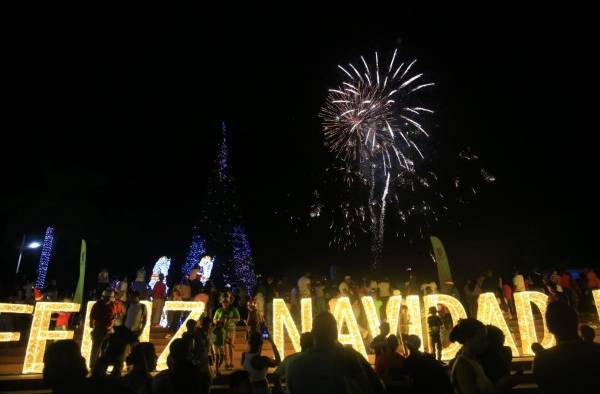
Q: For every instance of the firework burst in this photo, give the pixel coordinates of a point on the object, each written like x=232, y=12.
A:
x=372, y=124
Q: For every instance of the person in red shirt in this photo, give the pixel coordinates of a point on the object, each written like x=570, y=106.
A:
x=159, y=293
x=62, y=320
x=565, y=280
x=101, y=322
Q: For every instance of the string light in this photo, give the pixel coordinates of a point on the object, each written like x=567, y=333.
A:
x=342, y=312
x=523, y=301
x=86, y=338
x=196, y=251
x=306, y=314
x=596, y=294
x=414, y=312
x=282, y=319
x=243, y=266
x=13, y=308
x=457, y=312
x=45, y=258
x=489, y=312
x=392, y=311
x=40, y=333
x=371, y=315
x=196, y=309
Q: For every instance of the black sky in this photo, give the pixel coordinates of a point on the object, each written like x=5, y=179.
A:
x=112, y=118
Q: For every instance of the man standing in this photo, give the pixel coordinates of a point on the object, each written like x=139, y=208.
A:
x=159, y=293
x=136, y=316
x=101, y=322
x=304, y=286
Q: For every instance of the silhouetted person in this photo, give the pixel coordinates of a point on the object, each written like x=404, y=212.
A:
x=239, y=382
x=142, y=359
x=136, y=315
x=572, y=366
x=428, y=375
x=258, y=365
x=182, y=377
x=379, y=344
x=390, y=367
x=497, y=358
x=306, y=343
x=435, y=323
x=328, y=365
x=113, y=352
x=587, y=333
x=64, y=367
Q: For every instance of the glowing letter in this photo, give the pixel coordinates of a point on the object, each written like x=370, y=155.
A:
x=414, y=313
x=283, y=319
x=488, y=312
x=596, y=294
x=39, y=334
x=392, y=311
x=523, y=300
x=196, y=309
x=371, y=315
x=306, y=312
x=13, y=308
x=457, y=311
x=343, y=314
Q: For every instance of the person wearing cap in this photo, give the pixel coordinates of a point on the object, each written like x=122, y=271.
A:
x=101, y=321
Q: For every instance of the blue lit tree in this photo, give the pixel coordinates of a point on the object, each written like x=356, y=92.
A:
x=243, y=266
x=45, y=258
x=195, y=253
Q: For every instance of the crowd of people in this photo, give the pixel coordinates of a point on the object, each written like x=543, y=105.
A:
x=206, y=350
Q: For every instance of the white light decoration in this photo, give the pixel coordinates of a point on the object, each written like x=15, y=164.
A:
x=196, y=309
x=13, y=308
x=523, y=301
x=342, y=312
x=371, y=315
x=392, y=311
x=489, y=312
x=282, y=319
x=39, y=333
x=596, y=294
x=161, y=267
x=206, y=265
x=456, y=310
x=414, y=313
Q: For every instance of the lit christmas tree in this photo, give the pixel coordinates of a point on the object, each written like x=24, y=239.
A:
x=195, y=253
x=243, y=266
x=220, y=216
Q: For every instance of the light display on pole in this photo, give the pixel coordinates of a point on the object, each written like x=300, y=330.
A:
x=196, y=251
x=243, y=267
x=45, y=258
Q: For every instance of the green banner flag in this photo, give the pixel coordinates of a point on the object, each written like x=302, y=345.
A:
x=443, y=265
x=79, y=290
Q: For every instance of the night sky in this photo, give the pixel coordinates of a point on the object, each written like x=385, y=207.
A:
x=111, y=125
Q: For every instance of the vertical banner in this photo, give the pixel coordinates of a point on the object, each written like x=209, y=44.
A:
x=79, y=290
x=442, y=263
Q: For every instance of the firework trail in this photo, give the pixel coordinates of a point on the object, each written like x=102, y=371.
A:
x=372, y=125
